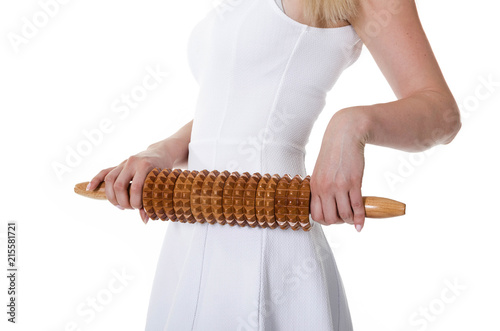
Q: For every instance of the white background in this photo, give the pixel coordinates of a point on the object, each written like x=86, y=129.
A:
x=64, y=80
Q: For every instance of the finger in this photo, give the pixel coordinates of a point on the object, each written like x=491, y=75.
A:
x=99, y=178
x=109, y=189
x=344, y=207
x=358, y=208
x=316, y=210
x=144, y=215
x=121, y=185
x=330, y=210
x=136, y=188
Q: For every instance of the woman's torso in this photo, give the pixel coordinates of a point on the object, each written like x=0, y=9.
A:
x=263, y=82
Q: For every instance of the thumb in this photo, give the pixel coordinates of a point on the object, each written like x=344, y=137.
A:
x=358, y=208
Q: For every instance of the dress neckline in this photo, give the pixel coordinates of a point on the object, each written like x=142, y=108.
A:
x=302, y=25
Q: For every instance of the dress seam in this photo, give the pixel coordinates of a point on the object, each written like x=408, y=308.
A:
x=262, y=243
x=319, y=246
x=201, y=277
x=278, y=91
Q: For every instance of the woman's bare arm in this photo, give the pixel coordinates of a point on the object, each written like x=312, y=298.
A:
x=424, y=115
x=178, y=145
x=168, y=153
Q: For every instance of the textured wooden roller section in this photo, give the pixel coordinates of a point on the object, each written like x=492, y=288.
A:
x=227, y=198
x=196, y=206
x=216, y=197
x=249, y=199
x=158, y=191
x=163, y=193
x=280, y=201
x=182, y=196
x=254, y=200
x=207, y=210
x=260, y=206
x=303, y=203
x=148, y=194
x=238, y=193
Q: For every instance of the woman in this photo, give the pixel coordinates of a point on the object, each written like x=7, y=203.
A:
x=264, y=68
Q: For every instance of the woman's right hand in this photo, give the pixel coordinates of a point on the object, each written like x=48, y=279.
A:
x=134, y=169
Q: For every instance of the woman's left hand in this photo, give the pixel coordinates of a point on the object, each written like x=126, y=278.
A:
x=336, y=179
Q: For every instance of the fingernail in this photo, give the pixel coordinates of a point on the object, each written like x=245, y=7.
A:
x=358, y=227
x=88, y=186
x=119, y=207
x=144, y=216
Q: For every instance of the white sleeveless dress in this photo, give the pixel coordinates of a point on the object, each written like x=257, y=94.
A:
x=263, y=80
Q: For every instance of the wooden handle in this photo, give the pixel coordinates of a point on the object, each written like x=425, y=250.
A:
x=98, y=193
x=375, y=207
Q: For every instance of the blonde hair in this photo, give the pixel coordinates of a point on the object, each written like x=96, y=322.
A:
x=325, y=12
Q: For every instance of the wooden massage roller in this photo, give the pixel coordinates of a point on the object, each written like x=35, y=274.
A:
x=266, y=201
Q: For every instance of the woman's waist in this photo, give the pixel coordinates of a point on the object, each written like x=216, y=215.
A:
x=248, y=155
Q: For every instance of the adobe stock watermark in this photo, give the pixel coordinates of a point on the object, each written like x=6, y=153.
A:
x=97, y=303
x=293, y=278
x=121, y=107
x=379, y=20
x=31, y=26
x=408, y=164
x=223, y=6
x=251, y=147
x=429, y=312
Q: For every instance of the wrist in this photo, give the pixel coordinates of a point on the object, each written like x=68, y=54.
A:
x=172, y=150
x=355, y=122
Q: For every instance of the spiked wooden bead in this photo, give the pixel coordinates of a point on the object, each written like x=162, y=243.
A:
x=227, y=198
x=168, y=195
x=217, y=197
x=148, y=195
x=280, y=208
x=291, y=216
x=206, y=197
x=260, y=205
x=158, y=191
x=254, y=200
x=270, y=212
x=303, y=203
x=196, y=207
x=249, y=199
x=182, y=196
